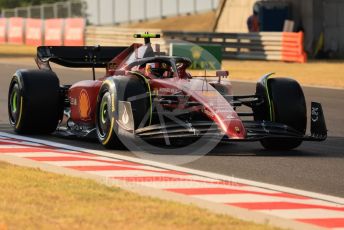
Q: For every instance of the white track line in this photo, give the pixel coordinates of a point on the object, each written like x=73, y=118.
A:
x=313, y=213
x=77, y=163
x=314, y=195
x=255, y=198
x=195, y=184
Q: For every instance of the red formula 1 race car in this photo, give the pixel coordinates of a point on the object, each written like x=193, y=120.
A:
x=150, y=96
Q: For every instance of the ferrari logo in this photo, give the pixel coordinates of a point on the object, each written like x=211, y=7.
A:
x=112, y=66
x=84, y=105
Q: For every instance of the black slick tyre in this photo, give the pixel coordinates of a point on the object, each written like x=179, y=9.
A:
x=288, y=106
x=33, y=102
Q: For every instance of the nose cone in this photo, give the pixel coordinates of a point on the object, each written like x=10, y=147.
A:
x=234, y=129
x=217, y=108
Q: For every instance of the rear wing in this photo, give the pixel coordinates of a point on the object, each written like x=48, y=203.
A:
x=77, y=56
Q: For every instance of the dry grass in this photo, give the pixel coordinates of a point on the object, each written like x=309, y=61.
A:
x=32, y=199
x=316, y=73
x=10, y=50
x=195, y=22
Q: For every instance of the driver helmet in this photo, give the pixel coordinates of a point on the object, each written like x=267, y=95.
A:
x=156, y=69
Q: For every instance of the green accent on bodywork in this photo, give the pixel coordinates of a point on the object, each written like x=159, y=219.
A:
x=14, y=102
x=146, y=35
x=271, y=109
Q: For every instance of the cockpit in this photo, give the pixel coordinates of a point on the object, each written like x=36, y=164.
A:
x=161, y=67
x=151, y=62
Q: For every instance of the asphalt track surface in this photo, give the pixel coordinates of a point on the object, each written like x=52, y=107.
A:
x=315, y=166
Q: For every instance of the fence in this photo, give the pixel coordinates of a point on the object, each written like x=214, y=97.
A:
x=112, y=36
x=110, y=12
x=285, y=46
x=35, y=32
x=278, y=46
x=68, y=9
x=281, y=46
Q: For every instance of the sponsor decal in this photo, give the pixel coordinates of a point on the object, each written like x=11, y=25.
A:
x=113, y=108
x=196, y=52
x=112, y=66
x=156, y=92
x=209, y=93
x=230, y=116
x=73, y=101
x=168, y=90
x=206, y=56
x=125, y=116
x=84, y=105
x=315, y=114
x=227, y=110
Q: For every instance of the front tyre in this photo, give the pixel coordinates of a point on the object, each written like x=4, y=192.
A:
x=106, y=118
x=113, y=91
x=284, y=103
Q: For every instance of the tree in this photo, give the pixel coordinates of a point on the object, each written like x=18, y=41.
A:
x=18, y=3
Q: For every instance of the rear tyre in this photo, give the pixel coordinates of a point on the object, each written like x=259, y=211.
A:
x=288, y=107
x=111, y=92
x=33, y=102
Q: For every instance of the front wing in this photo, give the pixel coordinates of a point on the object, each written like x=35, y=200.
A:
x=256, y=130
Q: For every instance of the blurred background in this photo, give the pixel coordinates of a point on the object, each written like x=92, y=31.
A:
x=320, y=21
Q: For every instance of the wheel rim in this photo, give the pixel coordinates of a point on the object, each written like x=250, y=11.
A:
x=104, y=117
x=103, y=112
x=13, y=104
